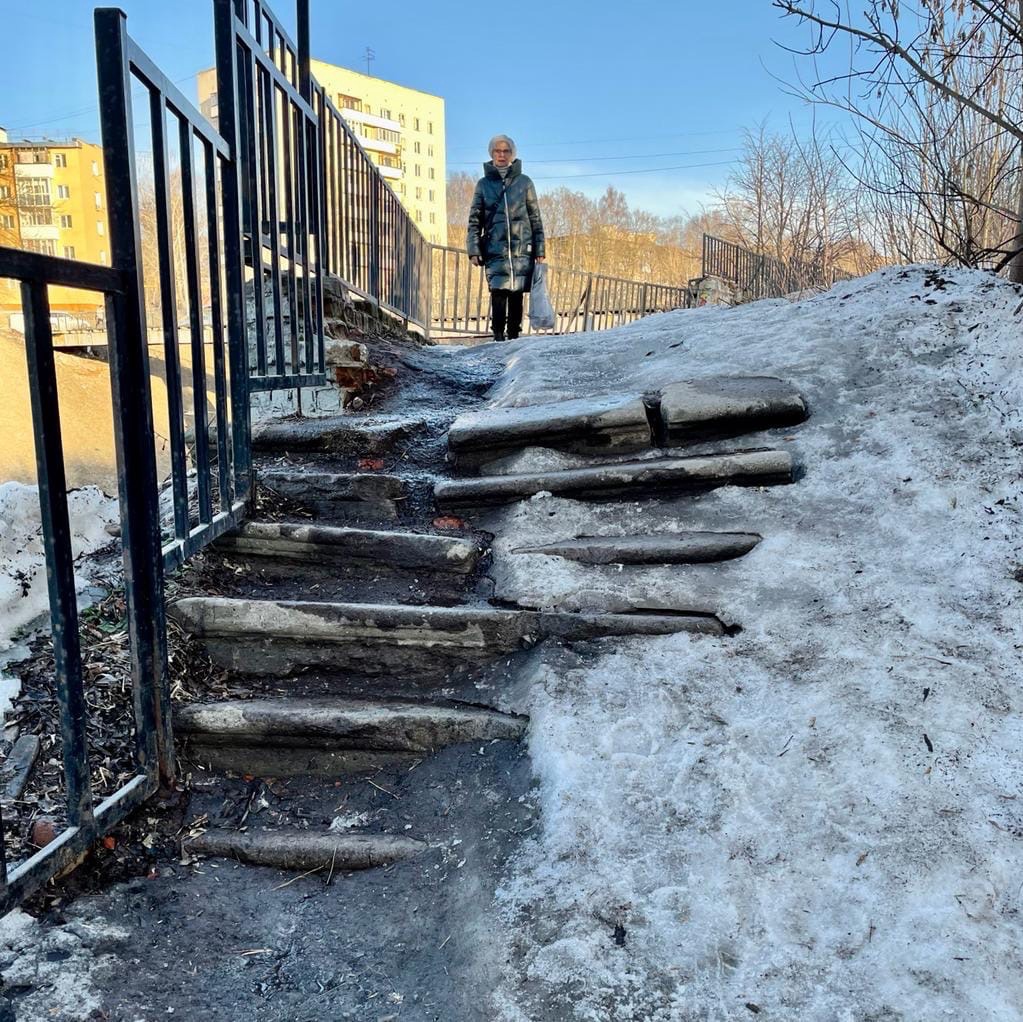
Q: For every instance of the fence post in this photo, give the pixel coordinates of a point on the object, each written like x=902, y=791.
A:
x=305, y=80
x=133, y=415
x=586, y=302
x=234, y=254
x=374, y=237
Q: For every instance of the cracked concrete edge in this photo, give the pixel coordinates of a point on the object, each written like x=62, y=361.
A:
x=302, y=850
x=325, y=544
x=674, y=548
x=346, y=724
x=632, y=479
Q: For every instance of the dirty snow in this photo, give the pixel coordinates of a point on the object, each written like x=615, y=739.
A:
x=822, y=817
x=23, y=593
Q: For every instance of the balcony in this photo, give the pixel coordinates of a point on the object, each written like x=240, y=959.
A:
x=375, y=145
x=33, y=170
x=391, y=173
x=356, y=117
x=40, y=232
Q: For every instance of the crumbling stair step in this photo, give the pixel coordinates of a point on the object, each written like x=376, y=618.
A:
x=713, y=407
x=288, y=848
x=674, y=548
x=390, y=726
x=330, y=545
x=338, y=434
x=726, y=406
x=276, y=637
x=336, y=491
x=600, y=423
x=630, y=479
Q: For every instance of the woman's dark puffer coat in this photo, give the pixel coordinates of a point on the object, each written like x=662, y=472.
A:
x=505, y=228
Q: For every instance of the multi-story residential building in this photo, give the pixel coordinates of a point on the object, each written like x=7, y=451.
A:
x=53, y=200
x=401, y=129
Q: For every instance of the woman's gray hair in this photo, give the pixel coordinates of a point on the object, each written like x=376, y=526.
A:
x=501, y=138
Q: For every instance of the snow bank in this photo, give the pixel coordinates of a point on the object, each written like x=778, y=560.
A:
x=821, y=818
x=23, y=593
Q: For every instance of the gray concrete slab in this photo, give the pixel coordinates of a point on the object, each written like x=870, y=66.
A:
x=320, y=544
x=723, y=406
x=333, y=491
x=674, y=548
x=630, y=479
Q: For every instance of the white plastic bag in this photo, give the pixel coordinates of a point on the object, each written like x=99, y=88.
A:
x=541, y=312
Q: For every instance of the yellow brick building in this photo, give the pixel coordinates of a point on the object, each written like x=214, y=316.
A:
x=53, y=200
x=401, y=129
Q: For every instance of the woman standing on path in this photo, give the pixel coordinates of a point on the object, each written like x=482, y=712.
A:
x=505, y=234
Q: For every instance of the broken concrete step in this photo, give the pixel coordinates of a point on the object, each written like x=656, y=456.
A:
x=710, y=408
x=676, y=548
x=722, y=406
x=327, y=492
x=630, y=479
x=346, y=724
x=303, y=850
x=17, y=767
x=338, y=434
x=276, y=637
x=592, y=424
x=334, y=546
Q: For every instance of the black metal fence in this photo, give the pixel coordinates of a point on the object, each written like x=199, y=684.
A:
x=224, y=240
x=86, y=820
x=761, y=276
x=460, y=299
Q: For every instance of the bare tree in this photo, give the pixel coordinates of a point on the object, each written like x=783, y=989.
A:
x=938, y=91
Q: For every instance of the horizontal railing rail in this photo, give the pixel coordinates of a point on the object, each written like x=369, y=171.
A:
x=460, y=298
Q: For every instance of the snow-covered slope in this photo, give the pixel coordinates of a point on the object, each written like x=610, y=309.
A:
x=822, y=817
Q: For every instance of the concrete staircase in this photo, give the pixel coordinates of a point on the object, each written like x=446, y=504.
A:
x=357, y=638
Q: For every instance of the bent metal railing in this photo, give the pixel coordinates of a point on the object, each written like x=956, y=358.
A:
x=460, y=299
x=86, y=820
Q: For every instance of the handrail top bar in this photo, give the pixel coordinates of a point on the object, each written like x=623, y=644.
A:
x=280, y=79
x=34, y=267
x=142, y=64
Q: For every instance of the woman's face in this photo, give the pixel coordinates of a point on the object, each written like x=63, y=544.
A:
x=501, y=154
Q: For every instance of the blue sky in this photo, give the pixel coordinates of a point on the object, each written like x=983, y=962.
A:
x=651, y=98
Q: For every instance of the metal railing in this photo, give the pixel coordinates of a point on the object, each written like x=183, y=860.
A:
x=87, y=820
x=460, y=299
x=762, y=276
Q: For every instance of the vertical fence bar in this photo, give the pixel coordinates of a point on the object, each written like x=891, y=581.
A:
x=138, y=490
x=60, y=567
x=231, y=120
x=200, y=407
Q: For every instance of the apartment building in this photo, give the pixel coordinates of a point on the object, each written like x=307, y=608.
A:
x=53, y=200
x=401, y=129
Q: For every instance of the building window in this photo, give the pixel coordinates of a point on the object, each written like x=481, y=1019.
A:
x=401, y=189
x=388, y=135
x=386, y=114
x=41, y=246
x=433, y=218
x=401, y=120
x=69, y=251
x=419, y=216
x=415, y=147
x=4, y=161
x=95, y=169
x=349, y=102
x=419, y=170
x=36, y=217
x=103, y=256
x=60, y=159
x=416, y=124
x=5, y=192
x=99, y=200
x=7, y=222
x=419, y=192
x=100, y=228
x=63, y=192
x=33, y=191
x=429, y=128
x=432, y=194
x=429, y=150
x=431, y=173
x=65, y=221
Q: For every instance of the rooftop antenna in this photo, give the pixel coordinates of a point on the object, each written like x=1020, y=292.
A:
x=369, y=56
